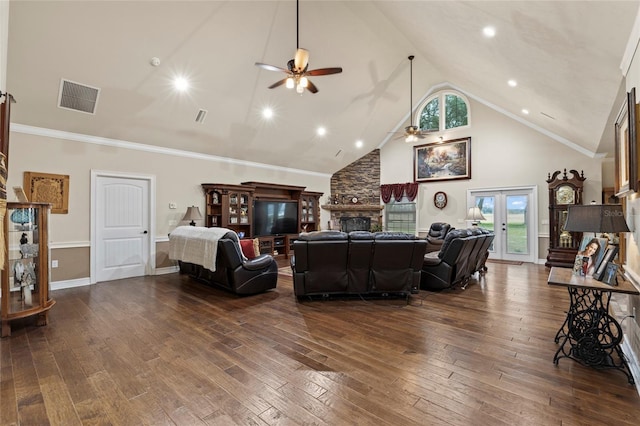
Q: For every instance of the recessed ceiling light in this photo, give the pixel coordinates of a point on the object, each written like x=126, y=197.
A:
x=525, y=111
x=512, y=83
x=267, y=113
x=489, y=32
x=181, y=84
x=359, y=144
x=321, y=131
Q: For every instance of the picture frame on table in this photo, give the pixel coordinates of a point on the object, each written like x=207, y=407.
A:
x=441, y=161
x=608, y=257
x=626, y=147
x=597, y=247
x=610, y=274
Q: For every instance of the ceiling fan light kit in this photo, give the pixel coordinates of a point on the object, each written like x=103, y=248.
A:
x=297, y=68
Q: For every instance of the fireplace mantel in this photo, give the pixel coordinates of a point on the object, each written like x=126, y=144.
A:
x=353, y=207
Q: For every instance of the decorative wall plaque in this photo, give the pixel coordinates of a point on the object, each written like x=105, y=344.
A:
x=48, y=188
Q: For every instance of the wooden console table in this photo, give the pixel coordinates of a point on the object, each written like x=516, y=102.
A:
x=589, y=334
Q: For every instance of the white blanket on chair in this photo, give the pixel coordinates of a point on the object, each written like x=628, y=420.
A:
x=195, y=244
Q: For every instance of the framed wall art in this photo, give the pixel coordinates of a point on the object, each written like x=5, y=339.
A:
x=626, y=146
x=48, y=188
x=439, y=161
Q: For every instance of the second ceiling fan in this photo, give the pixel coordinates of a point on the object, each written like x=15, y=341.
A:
x=412, y=133
x=297, y=68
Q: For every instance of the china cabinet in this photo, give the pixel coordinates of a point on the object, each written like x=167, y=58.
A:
x=563, y=192
x=229, y=206
x=25, y=278
x=310, y=211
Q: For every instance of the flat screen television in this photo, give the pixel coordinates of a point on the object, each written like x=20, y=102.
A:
x=275, y=217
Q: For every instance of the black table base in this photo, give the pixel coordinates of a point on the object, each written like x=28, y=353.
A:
x=589, y=334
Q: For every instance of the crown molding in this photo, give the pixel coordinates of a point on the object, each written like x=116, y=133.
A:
x=97, y=140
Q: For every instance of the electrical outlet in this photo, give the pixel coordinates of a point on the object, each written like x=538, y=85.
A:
x=54, y=264
x=173, y=206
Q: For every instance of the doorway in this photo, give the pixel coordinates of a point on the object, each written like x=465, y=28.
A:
x=122, y=244
x=512, y=215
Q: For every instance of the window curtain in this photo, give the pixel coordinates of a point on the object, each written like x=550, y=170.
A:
x=398, y=190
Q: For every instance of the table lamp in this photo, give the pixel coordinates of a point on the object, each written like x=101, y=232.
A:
x=192, y=214
x=475, y=216
x=602, y=218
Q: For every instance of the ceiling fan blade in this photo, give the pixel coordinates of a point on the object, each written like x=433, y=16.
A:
x=325, y=71
x=301, y=60
x=271, y=67
x=278, y=83
x=311, y=87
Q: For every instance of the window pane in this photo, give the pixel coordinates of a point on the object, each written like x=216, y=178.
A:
x=430, y=116
x=517, y=238
x=400, y=217
x=455, y=111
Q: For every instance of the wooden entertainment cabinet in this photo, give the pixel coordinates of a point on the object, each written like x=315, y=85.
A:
x=231, y=206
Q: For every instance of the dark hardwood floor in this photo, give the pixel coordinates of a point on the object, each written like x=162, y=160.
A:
x=168, y=350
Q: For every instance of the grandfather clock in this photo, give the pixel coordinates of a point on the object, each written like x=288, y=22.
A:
x=563, y=192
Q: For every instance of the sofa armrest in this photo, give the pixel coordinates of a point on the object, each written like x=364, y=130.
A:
x=258, y=263
x=431, y=259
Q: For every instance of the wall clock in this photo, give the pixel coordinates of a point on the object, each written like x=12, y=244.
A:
x=440, y=199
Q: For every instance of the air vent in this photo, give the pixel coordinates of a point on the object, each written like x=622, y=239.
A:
x=78, y=97
x=202, y=114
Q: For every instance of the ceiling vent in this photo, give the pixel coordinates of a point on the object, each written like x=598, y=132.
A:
x=202, y=114
x=78, y=97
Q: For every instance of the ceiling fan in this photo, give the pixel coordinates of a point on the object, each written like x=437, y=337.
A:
x=297, y=68
x=412, y=133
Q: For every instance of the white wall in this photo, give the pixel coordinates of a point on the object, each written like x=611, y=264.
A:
x=4, y=42
x=504, y=153
x=178, y=178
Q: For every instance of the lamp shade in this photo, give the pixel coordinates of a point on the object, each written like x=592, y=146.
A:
x=605, y=218
x=474, y=214
x=192, y=214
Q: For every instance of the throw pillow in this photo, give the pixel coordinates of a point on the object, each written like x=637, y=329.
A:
x=256, y=246
x=248, y=249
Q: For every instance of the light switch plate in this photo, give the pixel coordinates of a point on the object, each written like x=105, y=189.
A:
x=173, y=206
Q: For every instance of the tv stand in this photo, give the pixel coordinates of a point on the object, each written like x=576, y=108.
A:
x=231, y=206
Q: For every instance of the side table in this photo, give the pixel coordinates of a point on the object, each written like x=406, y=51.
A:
x=589, y=334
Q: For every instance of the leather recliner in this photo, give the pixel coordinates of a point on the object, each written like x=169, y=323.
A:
x=233, y=271
x=436, y=234
x=463, y=253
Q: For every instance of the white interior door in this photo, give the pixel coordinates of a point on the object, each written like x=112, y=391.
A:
x=122, y=237
x=511, y=214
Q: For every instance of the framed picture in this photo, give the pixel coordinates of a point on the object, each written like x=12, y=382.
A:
x=593, y=249
x=610, y=274
x=609, y=255
x=626, y=145
x=439, y=161
x=48, y=188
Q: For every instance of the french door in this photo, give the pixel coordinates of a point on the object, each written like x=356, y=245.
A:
x=512, y=215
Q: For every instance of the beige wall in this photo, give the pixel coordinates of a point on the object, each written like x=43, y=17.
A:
x=504, y=153
x=631, y=327
x=178, y=180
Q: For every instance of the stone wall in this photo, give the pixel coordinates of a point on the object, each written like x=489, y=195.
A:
x=360, y=179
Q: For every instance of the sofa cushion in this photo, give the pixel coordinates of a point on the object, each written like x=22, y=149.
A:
x=393, y=236
x=323, y=235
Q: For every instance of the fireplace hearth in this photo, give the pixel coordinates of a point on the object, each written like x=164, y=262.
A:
x=360, y=223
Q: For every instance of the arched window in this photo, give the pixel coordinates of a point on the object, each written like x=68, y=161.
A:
x=453, y=106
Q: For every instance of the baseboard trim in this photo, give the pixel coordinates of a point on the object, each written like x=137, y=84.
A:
x=167, y=270
x=79, y=282
x=633, y=363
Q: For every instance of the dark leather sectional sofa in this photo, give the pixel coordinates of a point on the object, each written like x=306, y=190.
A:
x=364, y=263
x=233, y=272
x=463, y=253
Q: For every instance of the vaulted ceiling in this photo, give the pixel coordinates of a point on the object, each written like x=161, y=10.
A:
x=565, y=56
